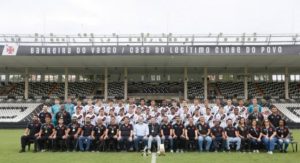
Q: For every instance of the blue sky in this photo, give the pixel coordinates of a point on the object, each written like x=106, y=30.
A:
x=149, y=16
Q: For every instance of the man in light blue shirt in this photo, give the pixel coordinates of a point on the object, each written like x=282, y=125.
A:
x=141, y=132
x=69, y=107
x=254, y=104
x=55, y=109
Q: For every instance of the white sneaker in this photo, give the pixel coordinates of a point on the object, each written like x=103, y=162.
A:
x=257, y=151
x=171, y=151
x=181, y=151
x=149, y=151
x=177, y=151
x=158, y=152
x=254, y=151
x=270, y=152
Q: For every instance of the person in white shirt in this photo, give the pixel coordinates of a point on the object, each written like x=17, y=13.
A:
x=235, y=117
x=216, y=108
x=222, y=117
x=90, y=114
x=141, y=132
x=89, y=105
x=78, y=115
x=120, y=117
x=209, y=118
x=242, y=109
x=228, y=109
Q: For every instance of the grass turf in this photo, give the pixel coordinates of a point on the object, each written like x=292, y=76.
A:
x=10, y=145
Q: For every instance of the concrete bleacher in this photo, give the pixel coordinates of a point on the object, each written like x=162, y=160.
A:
x=287, y=110
x=15, y=112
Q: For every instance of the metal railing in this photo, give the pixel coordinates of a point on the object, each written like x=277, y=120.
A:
x=150, y=39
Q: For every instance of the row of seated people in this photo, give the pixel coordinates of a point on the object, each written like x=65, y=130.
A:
x=176, y=137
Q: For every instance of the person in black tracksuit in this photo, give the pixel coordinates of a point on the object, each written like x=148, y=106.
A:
x=73, y=133
x=112, y=134
x=46, y=135
x=191, y=134
x=60, y=136
x=31, y=133
x=178, y=135
x=99, y=135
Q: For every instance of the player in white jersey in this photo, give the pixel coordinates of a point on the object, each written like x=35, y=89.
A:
x=216, y=108
x=88, y=106
x=222, y=117
x=90, y=113
x=209, y=118
x=228, y=109
x=242, y=109
x=79, y=115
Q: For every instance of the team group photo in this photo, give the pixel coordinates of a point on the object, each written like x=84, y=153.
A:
x=140, y=81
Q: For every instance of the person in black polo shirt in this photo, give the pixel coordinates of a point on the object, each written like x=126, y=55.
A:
x=203, y=132
x=125, y=135
x=112, y=134
x=269, y=136
x=64, y=114
x=243, y=131
x=86, y=135
x=178, y=134
x=46, y=135
x=99, y=134
x=60, y=136
x=274, y=117
x=255, y=136
x=217, y=136
x=31, y=133
x=166, y=132
x=283, y=136
x=44, y=113
x=191, y=134
x=232, y=136
x=73, y=132
x=154, y=129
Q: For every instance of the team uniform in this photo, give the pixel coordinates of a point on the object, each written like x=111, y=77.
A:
x=72, y=140
x=85, y=138
x=204, y=131
x=34, y=129
x=98, y=132
x=45, y=142
x=112, y=132
x=191, y=135
x=60, y=142
x=125, y=141
x=179, y=139
x=166, y=134
x=283, y=138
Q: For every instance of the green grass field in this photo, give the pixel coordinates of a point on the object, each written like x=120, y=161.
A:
x=10, y=145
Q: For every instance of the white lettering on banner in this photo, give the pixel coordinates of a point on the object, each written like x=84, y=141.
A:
x=228, y=50
x=273, y=49
x=53, y=50
x=160, y=50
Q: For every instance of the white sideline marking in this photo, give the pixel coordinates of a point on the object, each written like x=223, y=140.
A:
x=153, y=158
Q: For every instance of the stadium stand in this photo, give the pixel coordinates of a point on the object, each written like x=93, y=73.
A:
x=15, y=112
x=290, y=110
